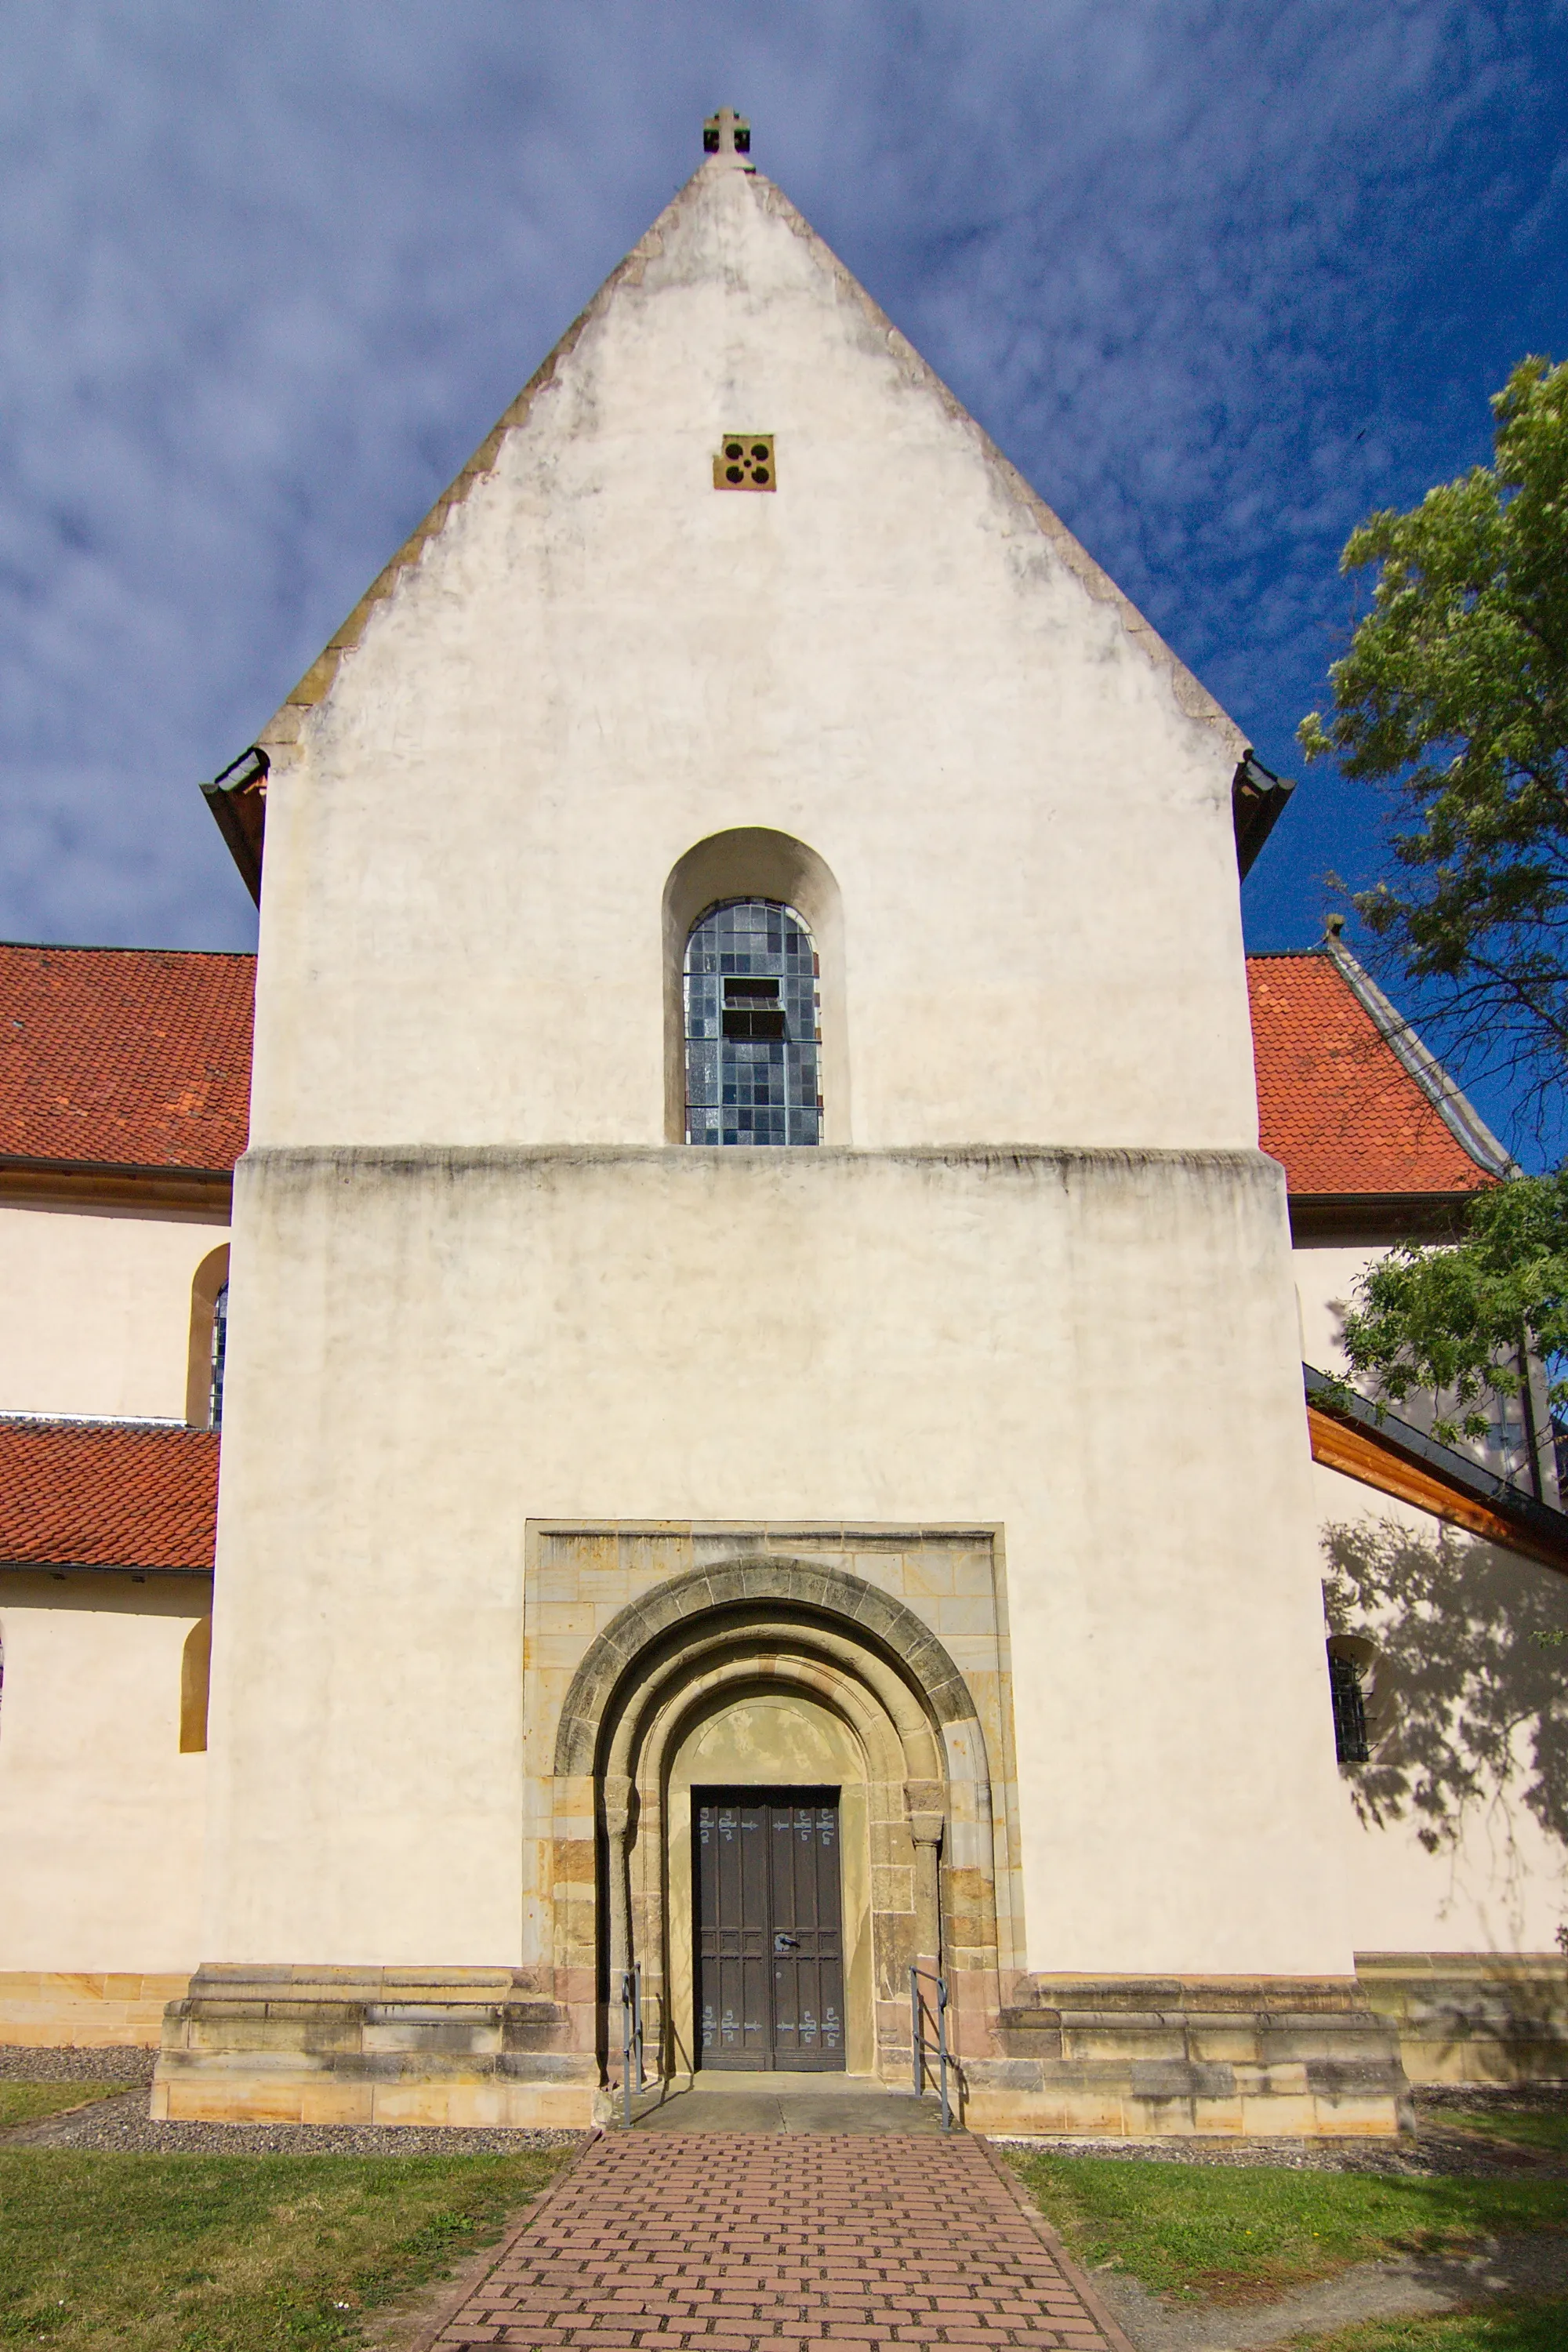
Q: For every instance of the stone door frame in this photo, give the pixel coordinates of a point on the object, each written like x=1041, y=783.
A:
x=753, y=1617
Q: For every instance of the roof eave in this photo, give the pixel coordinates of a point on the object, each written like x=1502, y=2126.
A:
x=238, y=798
x=139, y=1570
x=1258, y=798
x=152, y=1171
x=1478, y=1500
x=1425, y=1214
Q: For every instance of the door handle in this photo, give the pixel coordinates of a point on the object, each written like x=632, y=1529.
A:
x=786, y=1943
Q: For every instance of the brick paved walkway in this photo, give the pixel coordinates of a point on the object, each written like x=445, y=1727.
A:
x=734, y=2242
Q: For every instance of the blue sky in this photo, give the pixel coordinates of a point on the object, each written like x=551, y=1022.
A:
x=1219, y=278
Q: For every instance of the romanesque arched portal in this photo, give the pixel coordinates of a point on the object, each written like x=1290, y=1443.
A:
x=799, y=1640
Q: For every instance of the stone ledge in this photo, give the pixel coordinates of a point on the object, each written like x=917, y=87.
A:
x=241, y=2095
x=1025, y=1162
x=1156, y=1996
x=62, y=2008
x=1473, y=2016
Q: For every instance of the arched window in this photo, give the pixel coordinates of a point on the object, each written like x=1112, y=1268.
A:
x=788, y=887
x=753, y=1032
x=195, y=1672
x=220, y=1341
x=209, y=1324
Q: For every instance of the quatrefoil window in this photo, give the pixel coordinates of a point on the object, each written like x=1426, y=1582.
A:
x=745, y=462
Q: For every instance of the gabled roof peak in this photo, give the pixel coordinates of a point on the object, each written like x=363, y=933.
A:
x=717, y=180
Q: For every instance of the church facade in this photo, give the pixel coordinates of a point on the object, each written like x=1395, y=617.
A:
x=766, y=1470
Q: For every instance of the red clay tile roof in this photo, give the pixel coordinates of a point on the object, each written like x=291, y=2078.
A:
x=1334, y=1103
x=130, y=1058
x=140, y=1057
x=89, y=1495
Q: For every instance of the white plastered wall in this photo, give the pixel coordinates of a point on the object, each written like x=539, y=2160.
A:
x=98, y=1308
x=453, y=1346
x=598, y=661
x=1326, y=1275
x=101, y=1814
x=1453, y=1619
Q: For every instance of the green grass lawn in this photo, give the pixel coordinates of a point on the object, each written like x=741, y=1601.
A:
x=1223, y=2235
x=1503, y=2327
x=29, y=2103
x=1525, y=2129
x=105, y=2252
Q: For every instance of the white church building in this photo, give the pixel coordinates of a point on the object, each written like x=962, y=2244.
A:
x=758, y=1337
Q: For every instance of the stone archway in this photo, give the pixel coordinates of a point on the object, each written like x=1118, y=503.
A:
x=777, y=1622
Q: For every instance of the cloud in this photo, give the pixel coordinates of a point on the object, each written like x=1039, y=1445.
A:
x=1219, y=278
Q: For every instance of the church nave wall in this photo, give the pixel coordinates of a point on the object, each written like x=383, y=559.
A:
x=1454, y=1831
x=98, y=1308
x=102, y=1814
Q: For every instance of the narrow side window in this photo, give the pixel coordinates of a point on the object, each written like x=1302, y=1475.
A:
x=195, y=1673
x=1348, y=1700
x=209, y=1331
x=220, y=1341
x=752, y=1027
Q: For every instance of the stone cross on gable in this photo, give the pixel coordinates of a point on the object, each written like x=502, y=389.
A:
x=727, y=134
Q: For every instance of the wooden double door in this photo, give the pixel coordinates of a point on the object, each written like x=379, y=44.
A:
x=769, y=1929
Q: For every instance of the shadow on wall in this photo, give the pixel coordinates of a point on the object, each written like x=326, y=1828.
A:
x=1467, y=1706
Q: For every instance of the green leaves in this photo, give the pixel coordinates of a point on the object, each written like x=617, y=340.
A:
x=1455, y=693
x=1452, y=1322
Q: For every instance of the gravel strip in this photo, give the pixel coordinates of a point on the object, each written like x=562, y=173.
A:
x=122, y=2062
x=122, y=2126
x=1495, y=2098
x=1285, y=2155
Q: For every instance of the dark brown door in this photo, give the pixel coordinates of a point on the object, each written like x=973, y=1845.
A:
x=770, y=1935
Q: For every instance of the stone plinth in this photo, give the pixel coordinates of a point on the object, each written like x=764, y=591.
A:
x=1473, y=2016
x=1139, y=2057
x=1125, y=2058
x=478, y=2046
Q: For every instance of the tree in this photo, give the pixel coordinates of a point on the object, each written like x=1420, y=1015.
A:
x=1462, y=1323
x=1454, y=692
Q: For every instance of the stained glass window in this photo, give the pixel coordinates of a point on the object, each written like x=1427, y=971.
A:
x=752, y=1033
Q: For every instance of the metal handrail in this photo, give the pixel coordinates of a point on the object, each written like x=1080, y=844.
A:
x=631, y=2035
x=918, y=2037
